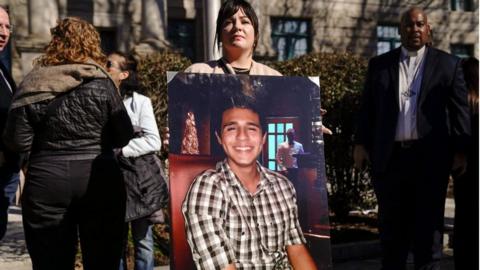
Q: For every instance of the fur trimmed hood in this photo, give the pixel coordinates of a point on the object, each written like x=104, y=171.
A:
x=46, y=82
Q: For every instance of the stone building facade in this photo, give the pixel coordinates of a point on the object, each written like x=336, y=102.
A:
x=288, y=28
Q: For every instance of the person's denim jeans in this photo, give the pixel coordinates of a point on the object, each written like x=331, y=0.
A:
x=8, y=188
x=143, y=244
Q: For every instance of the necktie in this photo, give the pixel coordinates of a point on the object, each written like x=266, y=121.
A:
x=410, y=76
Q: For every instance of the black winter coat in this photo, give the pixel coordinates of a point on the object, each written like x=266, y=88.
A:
x=12, y=159
x=146, y=189
x=86, y=121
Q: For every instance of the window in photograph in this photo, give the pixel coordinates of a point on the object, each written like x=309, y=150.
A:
x=290, y=37
x=388, y=38
x=462, y=50
x=277, y=134
x=461, y=5
x=181, y=33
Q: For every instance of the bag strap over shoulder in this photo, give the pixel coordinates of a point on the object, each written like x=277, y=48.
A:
x=223, y=65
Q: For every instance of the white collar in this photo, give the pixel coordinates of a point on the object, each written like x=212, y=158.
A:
x=407, y=53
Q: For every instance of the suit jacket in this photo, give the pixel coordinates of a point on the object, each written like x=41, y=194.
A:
x=6, y=97
x=442, y=107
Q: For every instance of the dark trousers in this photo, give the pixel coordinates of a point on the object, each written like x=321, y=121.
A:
x=411, y=199
x=8, y=188
x=465, y=241
x=67, y=199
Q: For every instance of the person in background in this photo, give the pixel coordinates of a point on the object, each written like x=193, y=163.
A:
x=9, y=162
x=69, y=115
x=222, y=204
x=413, y=125
x=465, y=240
x=285, y=155
x=123, y=69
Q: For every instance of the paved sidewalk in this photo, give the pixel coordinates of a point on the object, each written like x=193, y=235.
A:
x=375, y=262
x=14, y=256
x=13, y=252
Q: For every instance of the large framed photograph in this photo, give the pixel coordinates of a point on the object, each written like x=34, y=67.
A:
x=289, y=105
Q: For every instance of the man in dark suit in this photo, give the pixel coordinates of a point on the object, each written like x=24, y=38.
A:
x=8, y=161
x=412, y=127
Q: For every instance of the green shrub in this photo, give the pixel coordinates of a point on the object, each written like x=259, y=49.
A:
x=152, y=70
x=152, y=74
x=341, y=83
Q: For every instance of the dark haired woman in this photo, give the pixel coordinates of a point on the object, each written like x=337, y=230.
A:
x=237, y=34
x=68, y=114
x=146, y=189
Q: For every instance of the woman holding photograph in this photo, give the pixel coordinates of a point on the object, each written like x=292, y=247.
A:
x=69, y=115
x=237, y=35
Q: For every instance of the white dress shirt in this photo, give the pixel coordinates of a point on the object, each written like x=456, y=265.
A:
x=411, y=68
x=285, y=153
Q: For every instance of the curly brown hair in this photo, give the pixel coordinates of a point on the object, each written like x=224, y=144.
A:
x=73, y=41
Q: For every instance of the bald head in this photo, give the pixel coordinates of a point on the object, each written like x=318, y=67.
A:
x=414, y=29
x=411, y=11
x=290, y=135
x=4, y=28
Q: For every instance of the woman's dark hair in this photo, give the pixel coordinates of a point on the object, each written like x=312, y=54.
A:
x=228, y=9
x=129, y=63
x=470, y=73
x=131, y=83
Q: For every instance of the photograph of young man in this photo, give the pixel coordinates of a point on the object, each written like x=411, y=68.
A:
x=242, y=214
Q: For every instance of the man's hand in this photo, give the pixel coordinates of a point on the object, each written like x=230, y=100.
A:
x=360, y=157
x=326, y=130
x=459, y=166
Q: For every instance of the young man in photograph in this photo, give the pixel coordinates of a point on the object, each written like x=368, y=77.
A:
x=242, y=215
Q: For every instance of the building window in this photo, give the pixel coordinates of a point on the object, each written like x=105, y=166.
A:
x=388, y=38
x=277, y=134
x=461, y=5
x=181, y=34
x=290, y=37
x=462, y=50
x=108, y=38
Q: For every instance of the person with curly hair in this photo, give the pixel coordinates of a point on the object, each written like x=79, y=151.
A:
x=69, y=115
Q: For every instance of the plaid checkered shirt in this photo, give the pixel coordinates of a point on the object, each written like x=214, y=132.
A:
x=226, y=224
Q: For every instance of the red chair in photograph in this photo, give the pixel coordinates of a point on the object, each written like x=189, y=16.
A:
x=183, y=169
